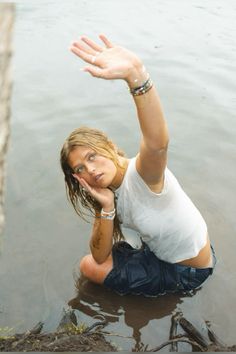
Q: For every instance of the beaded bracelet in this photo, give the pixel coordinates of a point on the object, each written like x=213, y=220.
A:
x=108, y=215
x=142, y=89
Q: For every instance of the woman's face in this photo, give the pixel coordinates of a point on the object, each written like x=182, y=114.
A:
x=96, y=170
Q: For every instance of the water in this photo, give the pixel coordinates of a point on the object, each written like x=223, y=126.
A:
x=189, y=50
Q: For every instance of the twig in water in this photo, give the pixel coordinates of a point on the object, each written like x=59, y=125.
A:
x=35, y=330
x=173, y=330
x=186, y=340
x=213, y=337
x=193, y=332
x=114, y=334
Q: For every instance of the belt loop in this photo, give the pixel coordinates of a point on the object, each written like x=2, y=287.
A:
x=178, y=278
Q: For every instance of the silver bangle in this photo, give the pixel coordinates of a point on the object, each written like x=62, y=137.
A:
x=141, y=90
x=108, y=215
x=108, y=212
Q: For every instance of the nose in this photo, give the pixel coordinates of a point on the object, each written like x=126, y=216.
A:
x=91, y=169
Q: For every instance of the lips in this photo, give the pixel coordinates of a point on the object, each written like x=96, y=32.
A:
x=98, y=176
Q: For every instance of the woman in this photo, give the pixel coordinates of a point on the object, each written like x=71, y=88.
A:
x=141, y=193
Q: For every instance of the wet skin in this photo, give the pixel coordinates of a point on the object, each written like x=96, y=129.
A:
x=99, y=172
x=96, y=170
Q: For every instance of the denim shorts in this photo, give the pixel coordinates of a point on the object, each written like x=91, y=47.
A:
x=139, y=271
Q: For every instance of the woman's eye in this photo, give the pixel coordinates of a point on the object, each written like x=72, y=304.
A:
x=92, y=157
x=79, y=170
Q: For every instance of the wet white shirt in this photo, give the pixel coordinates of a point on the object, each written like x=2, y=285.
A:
x=168, y=222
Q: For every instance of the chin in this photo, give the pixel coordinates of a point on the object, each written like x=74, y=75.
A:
x=102, y=184
x=105, y=185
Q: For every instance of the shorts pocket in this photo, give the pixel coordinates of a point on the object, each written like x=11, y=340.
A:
x=192, y=278
x=137, y=275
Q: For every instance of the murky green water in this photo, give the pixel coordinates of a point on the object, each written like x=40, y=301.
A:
x=189, y=50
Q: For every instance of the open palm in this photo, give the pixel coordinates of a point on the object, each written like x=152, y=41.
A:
x=109, y=62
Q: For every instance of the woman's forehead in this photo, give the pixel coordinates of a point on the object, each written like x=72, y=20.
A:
x=78, y=154
x=81, y=149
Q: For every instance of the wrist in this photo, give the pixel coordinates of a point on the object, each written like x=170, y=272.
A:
x=137, y=76
x=108, y=215
x=108, y=208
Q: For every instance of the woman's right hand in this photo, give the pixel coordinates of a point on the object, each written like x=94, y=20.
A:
x=104, y=196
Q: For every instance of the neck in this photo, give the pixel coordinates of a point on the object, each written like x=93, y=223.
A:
x=121, y=170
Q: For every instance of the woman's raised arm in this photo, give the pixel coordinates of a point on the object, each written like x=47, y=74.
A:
x=114, y=62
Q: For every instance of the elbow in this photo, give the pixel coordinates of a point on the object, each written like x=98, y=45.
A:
x=157, y=146
x=99, y=259
x=157, y=143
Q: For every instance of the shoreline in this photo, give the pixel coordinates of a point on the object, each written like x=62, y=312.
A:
x=7, y=14
x=73, y=336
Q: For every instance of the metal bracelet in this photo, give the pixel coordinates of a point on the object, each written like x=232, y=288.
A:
x=108, y=212
x=108, y=217
x=142, y=89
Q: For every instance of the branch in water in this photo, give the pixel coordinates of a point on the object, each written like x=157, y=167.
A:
x=176, y=340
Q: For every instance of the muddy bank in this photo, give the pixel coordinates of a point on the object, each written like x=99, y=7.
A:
x=71, y=336
x=6, y=26
x=58, y=342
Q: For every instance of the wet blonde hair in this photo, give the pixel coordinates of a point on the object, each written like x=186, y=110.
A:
x=80, y=199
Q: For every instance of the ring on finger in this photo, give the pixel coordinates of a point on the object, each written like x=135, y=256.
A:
x=94, y=57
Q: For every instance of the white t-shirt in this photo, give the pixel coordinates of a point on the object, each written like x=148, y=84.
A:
x=168, y=222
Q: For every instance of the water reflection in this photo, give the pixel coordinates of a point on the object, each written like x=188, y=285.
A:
x=193, y=69
x=94, y=300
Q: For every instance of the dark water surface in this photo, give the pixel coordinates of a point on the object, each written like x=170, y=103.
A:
x=189, y=50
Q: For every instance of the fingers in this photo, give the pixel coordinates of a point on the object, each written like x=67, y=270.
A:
x=83, y=183
x=92, y=44
x=89, y=58
x=85, y=186
x=107, y=43
x=94, y=71
x=80, y=180
x=92, y=53
x=91, y=48
x=80, y=45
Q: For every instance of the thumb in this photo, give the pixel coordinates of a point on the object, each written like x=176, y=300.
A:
x=94, y=71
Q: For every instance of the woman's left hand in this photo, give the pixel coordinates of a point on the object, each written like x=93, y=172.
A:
x=109, y=62
x=104, y=196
